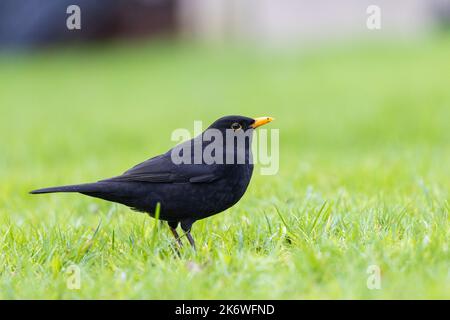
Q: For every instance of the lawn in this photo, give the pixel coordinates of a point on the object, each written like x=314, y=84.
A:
x=363, y=182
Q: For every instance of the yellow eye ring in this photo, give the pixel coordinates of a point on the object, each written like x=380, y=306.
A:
x=236, y=126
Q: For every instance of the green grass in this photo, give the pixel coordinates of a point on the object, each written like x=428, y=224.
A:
x=364, y=175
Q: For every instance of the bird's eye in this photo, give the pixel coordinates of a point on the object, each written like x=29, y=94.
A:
x=236, y=126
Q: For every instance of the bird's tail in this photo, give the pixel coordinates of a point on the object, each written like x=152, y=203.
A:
x=86, y=187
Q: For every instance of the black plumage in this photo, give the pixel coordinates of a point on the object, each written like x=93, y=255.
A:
x=186, y=192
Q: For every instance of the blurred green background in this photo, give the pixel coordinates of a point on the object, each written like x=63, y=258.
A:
x=363, y=180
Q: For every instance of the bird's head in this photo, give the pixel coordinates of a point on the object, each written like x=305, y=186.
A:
x=239, y=123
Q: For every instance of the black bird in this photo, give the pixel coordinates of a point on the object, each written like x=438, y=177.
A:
x=187, y=190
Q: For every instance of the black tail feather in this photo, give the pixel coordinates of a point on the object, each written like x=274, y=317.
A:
x=86, y=187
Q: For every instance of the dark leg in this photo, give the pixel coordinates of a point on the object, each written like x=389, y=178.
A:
x=186, y=226
x=177, y=237
x=191, y=240
x=173, y=229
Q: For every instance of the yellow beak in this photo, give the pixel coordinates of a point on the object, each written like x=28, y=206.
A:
x=261, y=121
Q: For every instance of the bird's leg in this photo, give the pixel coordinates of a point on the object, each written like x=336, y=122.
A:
x=186, y=226
x=177, y=237
x=191, y=240
x=173, y=229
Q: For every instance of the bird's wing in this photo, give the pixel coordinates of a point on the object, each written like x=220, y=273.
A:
x=161, y=169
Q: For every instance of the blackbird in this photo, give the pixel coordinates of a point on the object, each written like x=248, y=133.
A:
x=189, y=189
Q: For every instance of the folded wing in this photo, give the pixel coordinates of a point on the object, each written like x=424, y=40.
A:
x=161, y=169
